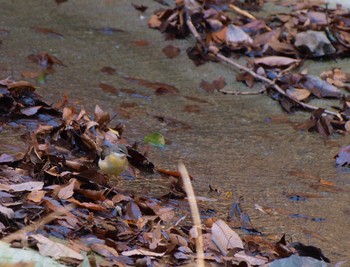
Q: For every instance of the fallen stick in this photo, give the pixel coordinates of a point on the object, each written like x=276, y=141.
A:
x=251, y=72
x=229, y=92
x=21, y=234
x=194, y=212
x=246, y=14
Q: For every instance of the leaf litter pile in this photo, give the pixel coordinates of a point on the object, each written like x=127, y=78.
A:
x=55, y=200
x=275, y=48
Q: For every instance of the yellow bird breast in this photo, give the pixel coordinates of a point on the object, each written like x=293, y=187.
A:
x=113, y=164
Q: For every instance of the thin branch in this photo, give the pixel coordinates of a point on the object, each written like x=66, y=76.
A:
x=254, y=74
x=194, y=212
x=275, y=86
x=246, y=14
x=227, y=92
x=22, y=233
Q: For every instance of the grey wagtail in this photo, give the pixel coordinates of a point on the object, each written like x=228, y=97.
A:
x=113, y=160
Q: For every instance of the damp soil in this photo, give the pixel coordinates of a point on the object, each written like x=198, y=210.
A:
x=242, y=145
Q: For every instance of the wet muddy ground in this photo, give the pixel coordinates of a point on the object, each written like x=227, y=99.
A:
x=245, y=145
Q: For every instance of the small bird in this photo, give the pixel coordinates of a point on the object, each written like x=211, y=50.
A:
x=113, y=160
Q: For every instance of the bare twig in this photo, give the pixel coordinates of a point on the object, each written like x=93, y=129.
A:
x=194, y=212
x=246, y=14
x=275, y=86
x=255, y=75
x=21, y=233
x=227, y=92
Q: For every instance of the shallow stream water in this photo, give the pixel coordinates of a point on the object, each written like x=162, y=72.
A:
x=245, y=145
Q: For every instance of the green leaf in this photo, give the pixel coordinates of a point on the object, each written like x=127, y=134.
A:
x=42, y=77
x=156, y=139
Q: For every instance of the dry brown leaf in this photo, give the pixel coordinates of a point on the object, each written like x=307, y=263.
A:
x=299, y=94
x=236, y=36
x=171, y=51
x=7, y=211
x=29, y=186
x=165, y=214
x=36, y=195
x=67, y=191
x=276, y=61
x=31, y=74
x=253, y=261
x=106, y=251
x=88, y=205
x=224, y=237
x=154, y=22
x=108, y=88
x=142, y=252
x=54, y=249
x=178, y=240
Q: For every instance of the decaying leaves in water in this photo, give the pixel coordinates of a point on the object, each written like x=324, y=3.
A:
x=45, y=60
x=215, y=85
x=108, y=88
x=141, y=43
x=158, y=87
x=171, y=51
x=47, y=31
x=108, y=70
x=141, y=8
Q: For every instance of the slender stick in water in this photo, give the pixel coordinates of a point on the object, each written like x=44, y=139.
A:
x=194, y=212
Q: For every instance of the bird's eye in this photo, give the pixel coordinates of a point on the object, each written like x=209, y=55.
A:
x=121, y=151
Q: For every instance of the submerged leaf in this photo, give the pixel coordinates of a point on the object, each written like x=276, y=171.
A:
x=156, y=139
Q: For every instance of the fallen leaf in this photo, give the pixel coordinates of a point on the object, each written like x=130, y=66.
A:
x=58, y=2
x=108, y=88
x=178, y=240
x=6, y=158
x=142, y=252
x=319, y=87
x=133, y=211
x=16, y=257
x=253, y=261
x=108, y=70
x=31, y=110
x=299, y=94
x=54, y=249
x=29, y=186
x=192, y=108
x=67, y=191
x=88, y=205
x=154, y=22
x=36, y=196
x=156, y=139
x=171, y=51
x=31, y=74
x=141, y=8
x=7, y=211
x=224, y=237
x=106, y=251
x=343, y=157
x=154, y=85
x=141, y=43
x=314, y=43
x=235, y=36
x=276, y=61
x=47, y=31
